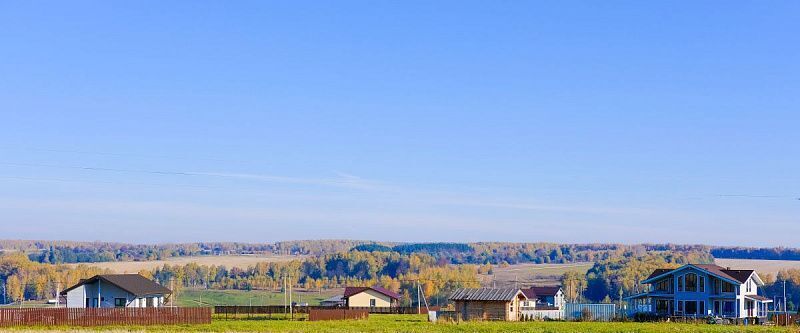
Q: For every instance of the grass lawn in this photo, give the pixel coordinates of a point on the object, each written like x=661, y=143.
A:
x=244, y=297
x=417, y=324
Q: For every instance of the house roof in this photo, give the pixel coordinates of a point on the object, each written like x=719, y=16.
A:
x=659, y=271
x=337, y=298
x=485, y=294
x=740, y=275
x=539, y=291
x=758, y=298
x=132, y=283
x=350, y=291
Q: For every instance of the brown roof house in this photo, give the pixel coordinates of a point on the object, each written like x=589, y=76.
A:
x=116, y=291
x=488, y=303
x=375, y=297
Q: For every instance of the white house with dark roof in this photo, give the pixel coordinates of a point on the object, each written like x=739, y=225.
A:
x=696, y=290
x=544, y=302
x=116, y=291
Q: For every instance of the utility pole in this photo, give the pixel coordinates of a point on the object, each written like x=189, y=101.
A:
x=419, y=301
x=283, y=278
x=174, y=293
x=785, y=309
x=291, y=306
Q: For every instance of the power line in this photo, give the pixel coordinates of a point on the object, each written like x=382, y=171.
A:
x=122, y=154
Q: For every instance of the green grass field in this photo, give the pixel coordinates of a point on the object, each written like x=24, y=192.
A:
x=417, y=324
x=242, y=297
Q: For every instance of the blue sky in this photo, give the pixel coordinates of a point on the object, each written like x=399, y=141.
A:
x=569, y=121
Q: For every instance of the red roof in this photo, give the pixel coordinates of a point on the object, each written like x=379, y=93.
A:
x=350, y=291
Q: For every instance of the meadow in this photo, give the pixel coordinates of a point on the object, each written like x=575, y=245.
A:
x=761, y=266
x=416, y=324
x=206, y=297
x=528, y=274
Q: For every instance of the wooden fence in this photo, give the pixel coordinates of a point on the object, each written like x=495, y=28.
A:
x=781, y=319
x=336, y=314
x=280, y=309
x=104, y=316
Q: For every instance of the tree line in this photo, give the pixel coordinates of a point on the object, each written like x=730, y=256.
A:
x=456, y=253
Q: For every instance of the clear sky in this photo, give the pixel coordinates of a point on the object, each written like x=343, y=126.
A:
x=563, y=121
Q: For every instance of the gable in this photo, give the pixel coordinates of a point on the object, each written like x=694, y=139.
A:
x=703, y=269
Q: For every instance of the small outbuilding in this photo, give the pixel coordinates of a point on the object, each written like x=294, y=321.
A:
x=488, y=303
x=335, y=301
x=116, y=291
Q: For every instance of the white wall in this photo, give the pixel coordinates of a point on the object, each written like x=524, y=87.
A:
x=76, y=298
x=362, y=299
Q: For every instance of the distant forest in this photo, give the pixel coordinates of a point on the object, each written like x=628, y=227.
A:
x=58, y=252
x=769, y=253
x=33, y=270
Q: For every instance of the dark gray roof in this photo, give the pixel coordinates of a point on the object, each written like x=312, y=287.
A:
x=484, y=294
x=132, y=283
x=538, y=291
x=337, y=298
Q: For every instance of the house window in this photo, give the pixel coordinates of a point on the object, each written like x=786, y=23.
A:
x=664, y=285
x=150, y=302
x=702, y=284
x=680, y=306
x=88, y=302
x=728, y=287
x=680, y=283
x=691, y=282
x=662, y=306
x=728, y=308
x=119, y=302
x=749, y=286
x=691, y=307
x=372, y=302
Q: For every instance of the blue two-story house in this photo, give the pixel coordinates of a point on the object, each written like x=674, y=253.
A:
x=702, y=291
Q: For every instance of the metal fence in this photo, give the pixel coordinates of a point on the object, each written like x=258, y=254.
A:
x=104, y=316
x=590, y=312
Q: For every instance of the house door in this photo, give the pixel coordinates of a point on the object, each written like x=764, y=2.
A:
x=749, y=306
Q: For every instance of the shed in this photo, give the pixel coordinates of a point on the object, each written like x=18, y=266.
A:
x=488, y=303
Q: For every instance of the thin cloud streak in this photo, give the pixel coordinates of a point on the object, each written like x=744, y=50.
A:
x=343, y=180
